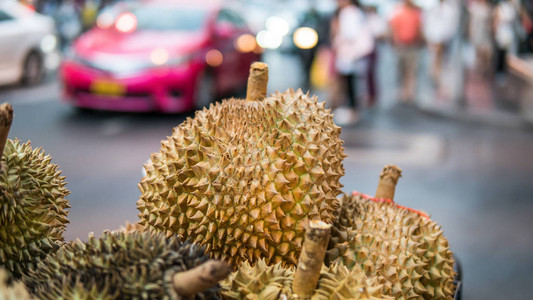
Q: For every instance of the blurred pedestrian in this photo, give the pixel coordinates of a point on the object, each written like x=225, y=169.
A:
x=440, y=26
x=378, y=27
x=352, y=42
x=311, y=19
x=505, y=16
x=480, y=34
x=68, y=23
x=407, y=39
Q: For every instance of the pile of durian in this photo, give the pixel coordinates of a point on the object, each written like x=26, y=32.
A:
x=247, y=185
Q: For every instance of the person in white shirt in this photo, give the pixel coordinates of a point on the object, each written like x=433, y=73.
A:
x=505, y=15
x=440, y=26
x=352, y=42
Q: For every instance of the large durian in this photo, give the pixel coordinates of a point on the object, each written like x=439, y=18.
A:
x=15, y=291
x=244, y=176
x=33, y=208
x=402, y=248
x=126, y=265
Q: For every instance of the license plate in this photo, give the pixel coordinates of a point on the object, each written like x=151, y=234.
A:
x=109, y=88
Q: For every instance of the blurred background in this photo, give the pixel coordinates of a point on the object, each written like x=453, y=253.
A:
x=443, y=88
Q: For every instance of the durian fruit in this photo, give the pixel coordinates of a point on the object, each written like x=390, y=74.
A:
x=243, y=177
x=125, y=265
x=263, y=282
x=33, y=207
x=401, y=247
x=317, y=282
x=16, y=291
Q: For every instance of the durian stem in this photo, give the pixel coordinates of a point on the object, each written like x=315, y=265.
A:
x=6, y=118
x=198, y=279
x=311, y=259
x=387, y=182
x=257, y=82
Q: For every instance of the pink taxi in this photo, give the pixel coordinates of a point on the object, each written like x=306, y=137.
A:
x=167, y=56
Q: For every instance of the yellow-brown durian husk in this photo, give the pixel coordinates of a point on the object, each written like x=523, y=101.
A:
x=263, y=282
x=405, y=250
x=243, y=178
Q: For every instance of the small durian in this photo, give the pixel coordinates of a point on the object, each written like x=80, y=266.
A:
x=33, y=204
x=244, y=177
x=401, y=247
x=15, y=291
x=127, y=265
x=264, y=282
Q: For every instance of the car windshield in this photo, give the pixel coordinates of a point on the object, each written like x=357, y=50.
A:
x=159, y=17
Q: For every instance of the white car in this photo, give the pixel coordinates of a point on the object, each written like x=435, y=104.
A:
x=26, y=40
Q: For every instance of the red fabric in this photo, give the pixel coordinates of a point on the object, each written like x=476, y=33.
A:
x=405, y=25
x=390, y=202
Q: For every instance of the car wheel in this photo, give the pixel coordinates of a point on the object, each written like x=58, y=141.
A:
x=33, y=71
x=205, y=92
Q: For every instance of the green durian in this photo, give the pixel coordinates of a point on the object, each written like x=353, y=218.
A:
x=402, y=248
x=33, y=204
x=243, y=177
x=118, y=265
x=264, y=282
x=15, y=291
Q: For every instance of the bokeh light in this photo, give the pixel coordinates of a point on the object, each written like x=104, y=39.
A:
x=48, y=43
x=159, y=56
x=305, y=38
x=105, y=20
x=268, y=39
x=277, y=25
x=214, y=58
x=126, y=22
x=245, y=43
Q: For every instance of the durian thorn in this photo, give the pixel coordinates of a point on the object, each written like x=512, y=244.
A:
x=198, y=279
x=6, y=118
x=311, y=259
x=387, y=182
x=257, y=82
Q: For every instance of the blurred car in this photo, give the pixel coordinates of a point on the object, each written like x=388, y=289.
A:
x=26, y=38
x=167, y=56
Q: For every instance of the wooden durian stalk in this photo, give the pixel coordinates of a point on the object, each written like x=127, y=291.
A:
x=6, y=118
x=198, y=279
x=257, y=82
x=311, y=259
x=387, y=182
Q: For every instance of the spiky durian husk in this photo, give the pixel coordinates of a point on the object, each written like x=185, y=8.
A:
x=118, y=265
x=263, y=282
x=16, y=291
x=244, y=177
x=439, y=278
x=33, y=208
x=404, y=250
x=78, y=291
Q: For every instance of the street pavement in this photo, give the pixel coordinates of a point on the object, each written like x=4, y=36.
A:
x=473, y=179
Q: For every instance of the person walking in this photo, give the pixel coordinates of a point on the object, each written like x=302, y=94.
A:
x=378, y=27
x=480, y=34
x=407, y=39
x=352, y=42
x=440, y=26
x=505, y=16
